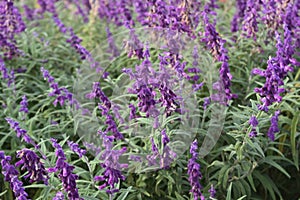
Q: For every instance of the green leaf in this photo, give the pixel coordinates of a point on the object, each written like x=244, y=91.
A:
x=293, y=138
x=228, y=196
x=271, y=162
x=124, y=194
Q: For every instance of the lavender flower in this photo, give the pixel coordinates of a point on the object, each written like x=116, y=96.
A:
x=11, y=175
x=3, y=70
x=216, y=45
x=81, y=11
x=24, y=104
x=253, y=122
x=21, y=133
x=239, y=16
x=32, y=164
x=59, y=196
x=11, y=24
x=206, y=102
x=65, y=172
x=274, y=126
x=133, y=114
x=277, y=69
x=62, y=94
x=212, y=191
x=194, y=172
x=75, y=42
x=250, y=19
x=75, y=148
x=168, y=155
x=152, y=159
x=112, y=173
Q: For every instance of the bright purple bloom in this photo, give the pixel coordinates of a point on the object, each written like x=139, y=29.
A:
x=11, y=24
x=239, y=16
x=65, y=172
x=212, y=191
x=11, y=175
x=250, y=19
x=274, y=126
x=206, y=102
x=112, y=173
x=75, y=42
x=60, y=24
x=194, y=172
x=253, y=121
x=133, y=114
x=24, y=104
x=98, y=93
x=62, y=94
x=216, y=45
x=21, y=133
x=277, y=70
x=30, y=162
x=59, y=196
x=3, y=70
x=75, y=148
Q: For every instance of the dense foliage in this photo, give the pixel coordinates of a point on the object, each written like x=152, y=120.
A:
x=149, y=99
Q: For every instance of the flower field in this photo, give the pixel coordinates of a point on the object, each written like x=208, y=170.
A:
x=150, y=100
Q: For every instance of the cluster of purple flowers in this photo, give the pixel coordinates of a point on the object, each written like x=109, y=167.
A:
x=277, y=69
x=31, y=162
x=112, y=168
x=116, y=11
x=216, y=45
x=21, y=133
x=253, y=122
x=65, y=172
x=239, y=15
x=76, y=149
x=62, y=94
x=11, y=24
x=250, y=18
x=105, y=106
x=274, y=126
x=24, y=104
x=11, y=175
x=194, y=172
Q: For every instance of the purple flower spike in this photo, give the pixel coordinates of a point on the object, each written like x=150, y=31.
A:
x=168, y=155
x=253, y=121
x=62, y=94
x=59, y=196
x=194, y=172
x=21, y=133
x=11, y=175
x=32, y=164
x=277, y=70
x=112, y=173
x=75, y=147
x=212, y=191
x=24, y=105
x=274, y=126
x=11, y=24
x=250, y=19
x=65, y=172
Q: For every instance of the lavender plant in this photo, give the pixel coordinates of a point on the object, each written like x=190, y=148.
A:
x=135, y=117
